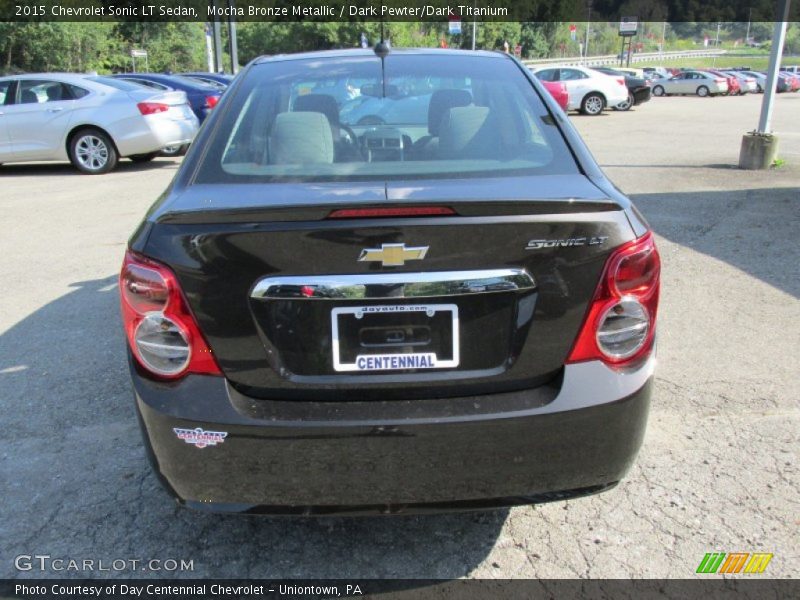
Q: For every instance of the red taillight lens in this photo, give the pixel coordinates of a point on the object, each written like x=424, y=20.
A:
x=619, y=327
x=151, y=108
x=144, y=289
x=637, y=272
x=211, y=101
x=397, y=211
x=161, y=330
x=621, y=80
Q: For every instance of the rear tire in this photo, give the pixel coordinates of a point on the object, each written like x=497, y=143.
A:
x=702, y=91
x=92, y=152
x=658, y=91
x=143, y=158
x=593, y=104
x=623, y=106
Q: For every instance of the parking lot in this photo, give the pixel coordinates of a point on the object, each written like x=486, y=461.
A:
x=718, y=470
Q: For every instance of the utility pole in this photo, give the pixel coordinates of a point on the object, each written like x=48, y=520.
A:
x=216, y=28
x=474, y=23
x=588, y=27
x=716, y=44
x=663, y=37
x=747, y=35
x=586, y=44
x=209, y=49
x=233, y=45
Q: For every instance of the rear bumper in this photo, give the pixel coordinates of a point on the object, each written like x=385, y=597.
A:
x=576, y=437
x=173, y=132
x=641, y=94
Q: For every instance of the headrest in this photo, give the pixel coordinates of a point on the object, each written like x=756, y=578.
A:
x=28, y=97
x=54, y=93
x=441, y=100
x=321, y=103
x=468, y=132
x=300, y=138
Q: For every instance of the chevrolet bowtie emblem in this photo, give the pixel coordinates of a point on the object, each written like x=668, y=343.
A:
x=393, y=255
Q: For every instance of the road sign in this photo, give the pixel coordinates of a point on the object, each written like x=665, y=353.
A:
x=139, y=53
x=628, y=26
x=455, y=26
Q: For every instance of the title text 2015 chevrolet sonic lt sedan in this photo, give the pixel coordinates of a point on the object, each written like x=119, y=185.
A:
x=445, y=307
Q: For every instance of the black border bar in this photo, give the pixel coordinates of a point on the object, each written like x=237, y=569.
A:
x=707, y=587
x=438, y=11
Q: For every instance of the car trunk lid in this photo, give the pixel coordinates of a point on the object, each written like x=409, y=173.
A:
x=295, y=304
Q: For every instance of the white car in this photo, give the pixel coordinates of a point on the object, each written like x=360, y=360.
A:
x=589, y=91
x=692, y=82
x=88, y=120
x=761, y=79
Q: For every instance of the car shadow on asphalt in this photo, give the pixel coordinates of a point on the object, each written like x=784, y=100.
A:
x=752, y=230
x=60, y=169
x=80, y=485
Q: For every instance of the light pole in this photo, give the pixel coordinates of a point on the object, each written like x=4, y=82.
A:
x=233, y=44
x=747, y=35
x=474, y=23
x=760, y=147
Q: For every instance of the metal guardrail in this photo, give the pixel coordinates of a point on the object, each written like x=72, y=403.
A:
x=613, y=59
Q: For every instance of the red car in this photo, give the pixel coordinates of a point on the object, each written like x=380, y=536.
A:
x=558, y=90
x=734, y=88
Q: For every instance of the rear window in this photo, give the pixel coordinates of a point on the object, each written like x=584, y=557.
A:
x=120, y=84
x=347, y=119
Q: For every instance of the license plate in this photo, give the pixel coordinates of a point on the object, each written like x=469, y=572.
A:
x=395, y=337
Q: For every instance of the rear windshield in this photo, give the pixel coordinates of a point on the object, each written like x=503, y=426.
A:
x=191, y=81
x=348, y=119
x=119, y=84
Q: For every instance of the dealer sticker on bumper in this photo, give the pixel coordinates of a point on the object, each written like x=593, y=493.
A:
x=200, y=437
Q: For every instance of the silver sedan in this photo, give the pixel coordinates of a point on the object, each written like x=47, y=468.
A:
x=88, y=120
x=691, y=82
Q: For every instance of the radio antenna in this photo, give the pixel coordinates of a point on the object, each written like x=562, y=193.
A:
x=381, y=50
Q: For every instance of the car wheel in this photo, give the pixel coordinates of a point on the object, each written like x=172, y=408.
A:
x=658, y=91
x=593, y=104
x=174, y=150
x=143, y=158
x=625, y=105
x=92, y=152
x=702, y=91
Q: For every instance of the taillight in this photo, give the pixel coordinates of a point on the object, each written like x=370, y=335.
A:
x=395, y=211
x=621, y=80
x=619, y=327
x=720, y=81
x=151, y=108
x=211, y=101
x=161, y=330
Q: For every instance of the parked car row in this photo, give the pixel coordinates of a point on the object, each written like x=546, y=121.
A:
x=713, y=82
x=93, y=121
x=591, y=91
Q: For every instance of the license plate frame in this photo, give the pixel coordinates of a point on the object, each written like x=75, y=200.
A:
x=420, y=360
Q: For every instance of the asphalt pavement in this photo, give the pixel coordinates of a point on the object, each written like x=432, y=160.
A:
x=718, y=470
